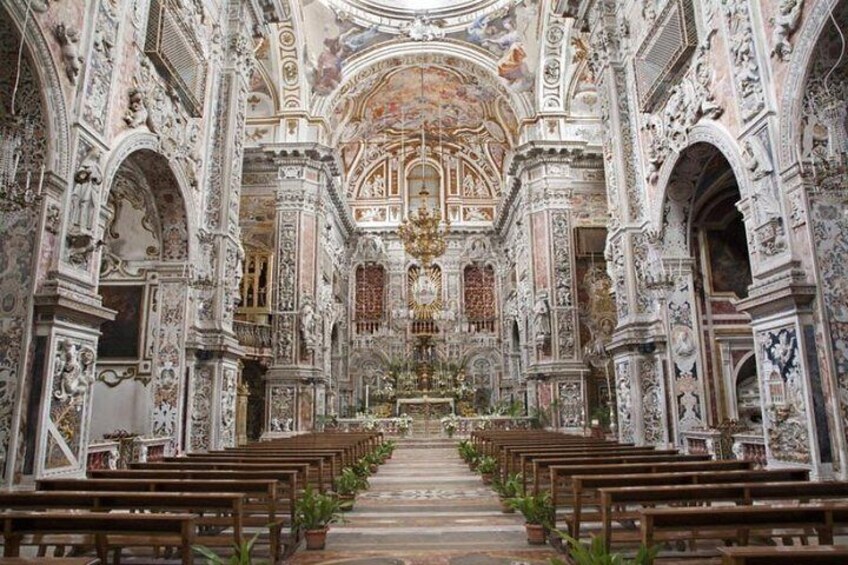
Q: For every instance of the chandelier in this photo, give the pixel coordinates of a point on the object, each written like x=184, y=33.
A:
x=17, y=190
x=423, y=232
x=422, y=235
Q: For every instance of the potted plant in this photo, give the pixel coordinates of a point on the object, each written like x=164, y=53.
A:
x=487, y=466
x=466, y=450
x=314, y=512
x=373, y=460
x=538, y=512
x=512, y=487
x=241, y=553
x=597, y=554
x=347, y=485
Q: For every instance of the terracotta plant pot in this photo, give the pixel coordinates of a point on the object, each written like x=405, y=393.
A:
x=535, y=534
x=487, y=478
x=316, y=539
x=506, y=508
x=373, y=468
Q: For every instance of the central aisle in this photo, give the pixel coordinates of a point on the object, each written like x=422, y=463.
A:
x=425, y=507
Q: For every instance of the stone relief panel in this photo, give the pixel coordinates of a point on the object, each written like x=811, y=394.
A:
x=69, y=404
x=101, y=66
x=743, y=57
x=571, y=404
x=685, y=354
x=229, y=392
x=829, y=226
x=563, y=284
x=201, y=408
x=281, y=408
x=653, y=400
x=625, y=401
x=169, y=359
x=785, y=416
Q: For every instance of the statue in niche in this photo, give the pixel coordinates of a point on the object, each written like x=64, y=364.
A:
x=87, y=181
x=309, y=324
x=542, y=319
x=74, y=370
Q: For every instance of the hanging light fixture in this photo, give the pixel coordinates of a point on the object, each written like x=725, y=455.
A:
x=422, y=232
x=17, y=190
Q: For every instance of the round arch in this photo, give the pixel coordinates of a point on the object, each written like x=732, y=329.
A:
x=792, y=99
x=388, y=56
x=709, y=133
x=45, y=70
x=148, y=144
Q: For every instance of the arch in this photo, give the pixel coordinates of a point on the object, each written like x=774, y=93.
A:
x=390, y=55
x=148, y=145
x=45, y=70
x=710, y=133
x=795, y=81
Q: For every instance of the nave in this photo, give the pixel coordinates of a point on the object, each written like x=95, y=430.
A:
x=425, y=507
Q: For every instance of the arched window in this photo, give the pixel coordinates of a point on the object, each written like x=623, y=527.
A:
x=424, y=187
x=370, y=298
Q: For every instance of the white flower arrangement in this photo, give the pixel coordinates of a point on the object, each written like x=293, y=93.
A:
x=404, y=423
x=450, y=423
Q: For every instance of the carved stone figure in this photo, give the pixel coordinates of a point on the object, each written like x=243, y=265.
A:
x=68, y=39
x=137, y=112
x=542, y=319
x=74, y=370
x=84, y=202
x=785, y=23
x=310, y=323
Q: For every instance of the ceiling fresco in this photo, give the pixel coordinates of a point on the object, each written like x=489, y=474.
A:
x=336, y=30
x=370, y=77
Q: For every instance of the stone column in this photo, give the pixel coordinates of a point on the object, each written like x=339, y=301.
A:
x=296, y=381
x=216, y=373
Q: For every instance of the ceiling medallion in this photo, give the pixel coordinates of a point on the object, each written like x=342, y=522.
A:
x=422, y=29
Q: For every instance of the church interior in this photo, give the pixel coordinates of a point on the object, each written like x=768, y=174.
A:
x=569, y=257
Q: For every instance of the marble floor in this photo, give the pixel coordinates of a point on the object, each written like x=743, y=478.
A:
x=425, y=507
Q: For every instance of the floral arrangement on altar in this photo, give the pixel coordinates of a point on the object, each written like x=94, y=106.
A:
x=450, y=423
x=404, y=423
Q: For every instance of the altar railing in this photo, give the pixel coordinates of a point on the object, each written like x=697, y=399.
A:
x=464, y=426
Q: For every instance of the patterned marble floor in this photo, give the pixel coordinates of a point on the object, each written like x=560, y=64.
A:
x=425, y=507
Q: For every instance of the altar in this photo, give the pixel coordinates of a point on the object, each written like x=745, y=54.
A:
x=425, y=406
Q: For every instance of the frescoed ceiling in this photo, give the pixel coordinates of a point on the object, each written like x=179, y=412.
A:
x=370, y=77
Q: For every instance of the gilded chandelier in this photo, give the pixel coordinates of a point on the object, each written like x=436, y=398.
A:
x=422, y=235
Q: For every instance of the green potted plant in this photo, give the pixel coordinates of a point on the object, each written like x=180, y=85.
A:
x=240, y=556
x=373, y=460
x=362, y=468
x=487, y=466
x=466, y=451
x=512, y=487
x=314, y=512
x=597, y=554
x=347, y=485
x=538, y=512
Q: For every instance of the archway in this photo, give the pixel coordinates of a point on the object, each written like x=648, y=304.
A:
x=30, y=234
x=701, y=267
x=144, y=263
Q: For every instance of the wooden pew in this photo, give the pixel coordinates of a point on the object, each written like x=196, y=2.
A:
x=303, y=469
x=784, y=555
x=539, y=468
x=49, y=561
x=326, y=467
x=227, y=508
x=585, y=488
x=738, y=493
x=561, y=474
x=738, y=522
x=514, y=458
x=107, y=531
x=270, y=502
